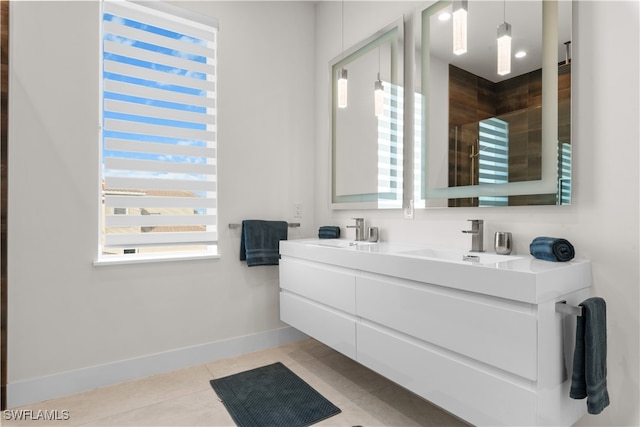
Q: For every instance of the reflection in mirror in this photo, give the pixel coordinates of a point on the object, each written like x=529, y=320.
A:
x=367, y=135
x=490, y=139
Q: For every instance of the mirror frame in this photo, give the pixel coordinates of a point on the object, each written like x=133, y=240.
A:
x=548, y=184
x=395, y=33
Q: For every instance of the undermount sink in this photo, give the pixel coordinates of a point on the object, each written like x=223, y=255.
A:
x=459, y=255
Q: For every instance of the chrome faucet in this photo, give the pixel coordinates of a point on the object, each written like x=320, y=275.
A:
x=477, y=235
x=359, y=229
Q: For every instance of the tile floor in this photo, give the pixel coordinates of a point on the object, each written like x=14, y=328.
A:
x=185, y=397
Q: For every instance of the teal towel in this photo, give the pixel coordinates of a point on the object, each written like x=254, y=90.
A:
x=329, y=232
x=260, y=241
x=589, y=377
x=552, y=249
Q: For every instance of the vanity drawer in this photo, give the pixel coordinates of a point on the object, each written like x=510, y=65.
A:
x=491, y=330
x=331, y=327
x=475, y=395
x=328, y=285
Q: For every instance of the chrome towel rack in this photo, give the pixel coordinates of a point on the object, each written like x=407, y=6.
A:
x=291, y=225
x=563, y=307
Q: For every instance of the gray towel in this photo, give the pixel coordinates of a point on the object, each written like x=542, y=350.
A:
x=589, y=377
x=260, y=241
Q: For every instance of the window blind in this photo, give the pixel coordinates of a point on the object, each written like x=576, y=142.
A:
x=493, y=158
x=564, y=173
x=390, y=140
x=158, y=127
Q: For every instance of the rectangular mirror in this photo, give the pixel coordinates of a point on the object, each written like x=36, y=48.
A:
x=490, y=139
x=367, y=123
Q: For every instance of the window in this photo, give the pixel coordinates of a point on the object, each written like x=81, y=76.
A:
x=493, y=158
x=564, y=173
x=390, y=140
x=158, y=144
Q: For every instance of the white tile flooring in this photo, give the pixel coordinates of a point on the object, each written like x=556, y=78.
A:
x=185, y=397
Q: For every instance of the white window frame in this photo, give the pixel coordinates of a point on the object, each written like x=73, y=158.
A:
x=114, y=167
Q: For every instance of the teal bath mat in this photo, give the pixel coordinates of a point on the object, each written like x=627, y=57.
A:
x=272, y=396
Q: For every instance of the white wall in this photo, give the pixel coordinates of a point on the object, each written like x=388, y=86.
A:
x=603, y=221
x=65, y=315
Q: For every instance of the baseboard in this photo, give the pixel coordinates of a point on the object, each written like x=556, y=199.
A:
x=57, y=385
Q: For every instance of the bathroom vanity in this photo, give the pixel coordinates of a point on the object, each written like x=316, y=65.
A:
x=481, y=338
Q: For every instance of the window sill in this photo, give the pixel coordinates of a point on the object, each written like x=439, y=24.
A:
x=151, y=258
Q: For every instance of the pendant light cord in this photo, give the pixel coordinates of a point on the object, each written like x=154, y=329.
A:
x=342, y=30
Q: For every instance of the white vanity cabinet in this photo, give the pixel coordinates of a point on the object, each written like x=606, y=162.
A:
x=487, y=359
x=319, y=300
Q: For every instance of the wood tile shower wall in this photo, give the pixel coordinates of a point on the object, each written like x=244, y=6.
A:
x=517, y=100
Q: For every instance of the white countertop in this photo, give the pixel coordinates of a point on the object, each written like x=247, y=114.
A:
x=519, y=277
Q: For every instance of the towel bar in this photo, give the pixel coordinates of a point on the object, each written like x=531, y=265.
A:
x=291, y=225
x=563, y=307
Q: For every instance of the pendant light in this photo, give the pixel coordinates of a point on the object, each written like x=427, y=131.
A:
x=567, y=52
x=504, y=45
x=342, y=88
x=460, y=8
x=379, y=97
x=342, y=73
x=378, y=92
